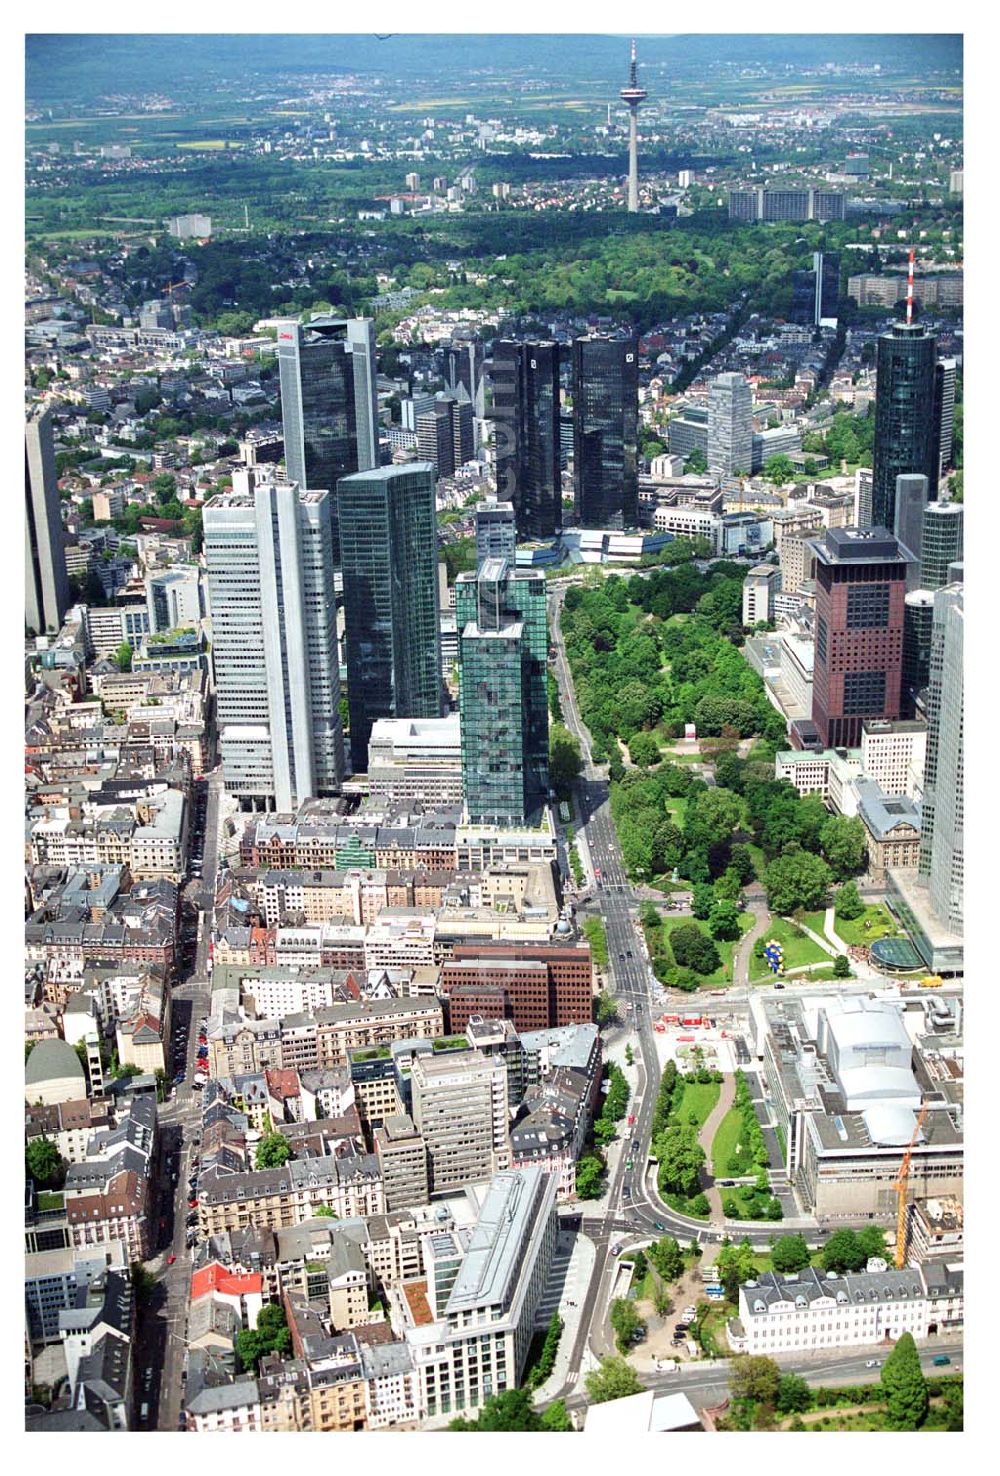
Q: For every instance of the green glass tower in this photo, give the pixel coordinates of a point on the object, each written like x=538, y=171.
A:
x=503, y=647
x=388, y=542
x=906, y=439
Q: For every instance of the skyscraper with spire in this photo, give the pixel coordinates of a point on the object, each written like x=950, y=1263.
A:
x=633, y=95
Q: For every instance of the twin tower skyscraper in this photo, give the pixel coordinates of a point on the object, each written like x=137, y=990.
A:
x=272, y=546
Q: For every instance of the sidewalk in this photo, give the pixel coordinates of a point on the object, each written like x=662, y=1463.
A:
x=581, y=1267
x=830, y=931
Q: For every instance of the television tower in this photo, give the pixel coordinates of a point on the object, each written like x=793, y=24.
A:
x=633, y=94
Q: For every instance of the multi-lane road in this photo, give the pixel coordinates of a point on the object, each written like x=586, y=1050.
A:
x=633, y=1208
x=163, y=1316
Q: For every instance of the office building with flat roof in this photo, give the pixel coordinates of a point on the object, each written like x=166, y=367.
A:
x=391, y=611
x=942, y=849
x=503, y=695
x=460, y=1109
x=730, y=425
x=525, y=380
x=269, y=555
x=605, y=380
x=860, y=599
x=469, y=1325
x=46, y=583
x=912, y=493
x=402, y=1157
x=496, y=531
x=942, y=543
x=416, y=760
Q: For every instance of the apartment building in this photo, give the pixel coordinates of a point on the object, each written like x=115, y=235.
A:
x=311, y=1042
x=268, y=1198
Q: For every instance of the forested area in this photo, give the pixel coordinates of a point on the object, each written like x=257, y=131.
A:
x=649, y=654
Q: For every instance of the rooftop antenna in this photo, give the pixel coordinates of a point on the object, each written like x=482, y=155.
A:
x=909, y=287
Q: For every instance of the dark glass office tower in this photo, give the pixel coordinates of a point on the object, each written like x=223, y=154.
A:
x=605, y=426
x=391, y=613
x=503, y=644
x=525, y=380
x=328, y=405
x=906, y=434
x=816, y=292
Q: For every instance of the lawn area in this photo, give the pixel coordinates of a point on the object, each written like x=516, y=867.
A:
x=685, y=1206
x=724, y=973
x=677, y=809
x=814, y=920
x=880, y=924
x=596, y=936
x=737, y=1208
x=798, y=948
x=759, y=859
x=698, y=1098
x=725, y=1142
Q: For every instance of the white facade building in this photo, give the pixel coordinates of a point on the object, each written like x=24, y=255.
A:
x=269, y=553
x=810, y=1311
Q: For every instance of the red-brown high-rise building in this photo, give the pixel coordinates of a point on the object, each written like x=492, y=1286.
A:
x=860, y=603
x=537, y=986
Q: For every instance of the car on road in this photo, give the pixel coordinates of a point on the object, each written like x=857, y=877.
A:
x=192, y=1204
x=171, y=1259
x=727, y=1183
x=941, y=1360
x=873, y=1363
x=659, y=1225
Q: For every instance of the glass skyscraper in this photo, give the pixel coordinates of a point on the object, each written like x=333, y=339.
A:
x=906, y=434
x=503, y=645
x=605, y=429
x=389, y=558
x=943, y=542
x=329, y=408
x=525, y=379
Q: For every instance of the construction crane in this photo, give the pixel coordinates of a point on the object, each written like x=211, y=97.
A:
x=900, y=1187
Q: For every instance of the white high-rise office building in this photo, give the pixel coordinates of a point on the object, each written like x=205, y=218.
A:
x=173, y=598
x=46, y=585
x=942, y=849
x=268, y=547
x=730, y=425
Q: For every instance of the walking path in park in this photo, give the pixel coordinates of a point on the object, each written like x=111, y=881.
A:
x=726, y=1097
x=742, y=952
x=823, y=943
x=831, y=932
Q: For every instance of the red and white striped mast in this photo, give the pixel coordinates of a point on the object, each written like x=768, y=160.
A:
x=909, y=287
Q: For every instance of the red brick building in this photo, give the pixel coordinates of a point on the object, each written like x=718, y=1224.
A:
x=860, y=604
x=536, y=986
